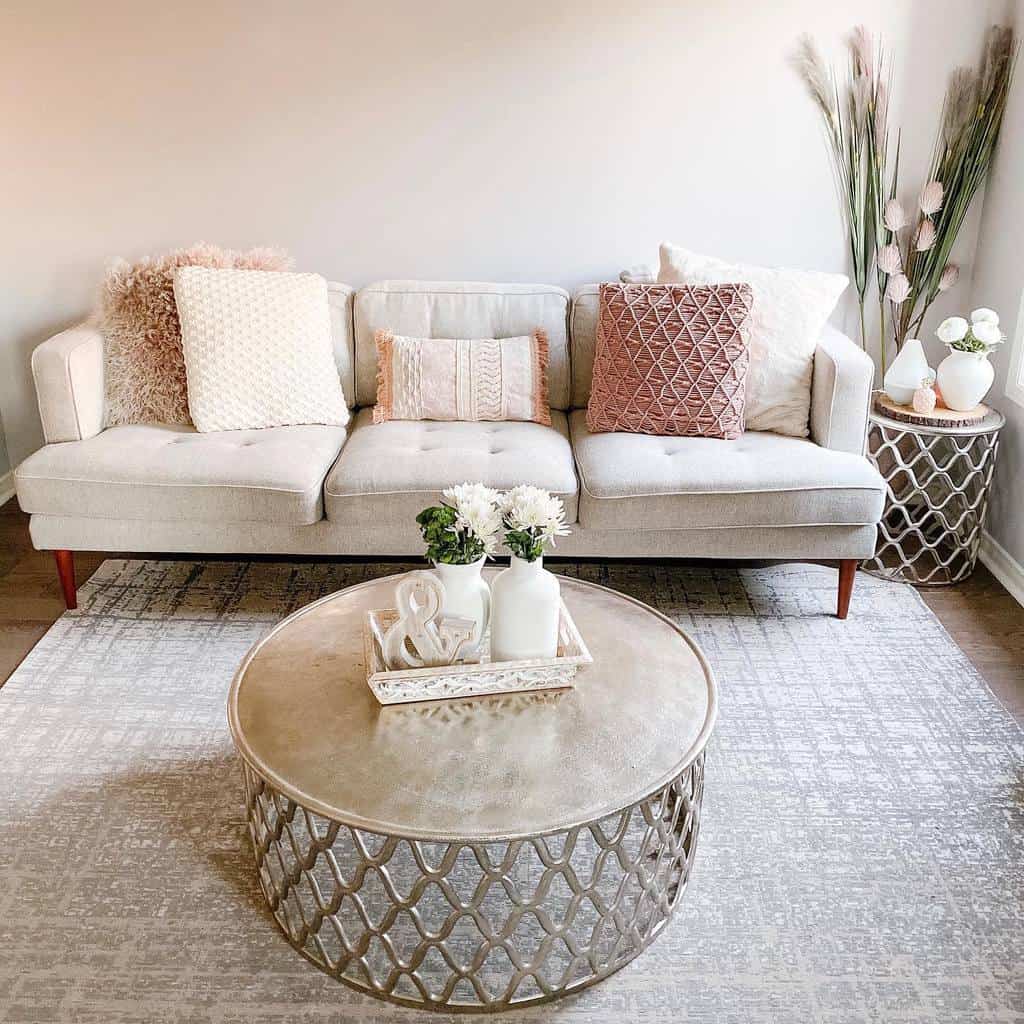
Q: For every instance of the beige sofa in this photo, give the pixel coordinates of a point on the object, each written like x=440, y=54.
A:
x=321, y=490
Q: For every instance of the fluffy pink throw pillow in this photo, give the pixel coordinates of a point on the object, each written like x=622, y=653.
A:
x=671, y=359
x=144, y=365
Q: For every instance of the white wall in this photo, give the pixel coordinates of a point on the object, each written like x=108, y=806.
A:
x=534, y=140
x=999, y=283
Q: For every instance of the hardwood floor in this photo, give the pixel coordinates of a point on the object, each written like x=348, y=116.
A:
x=980, y=615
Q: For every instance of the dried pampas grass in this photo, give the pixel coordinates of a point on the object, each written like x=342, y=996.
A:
x=144, y=367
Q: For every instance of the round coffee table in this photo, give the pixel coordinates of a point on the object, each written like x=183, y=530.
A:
x=476, y=854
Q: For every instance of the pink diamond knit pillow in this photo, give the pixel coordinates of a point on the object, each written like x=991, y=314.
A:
x=462, y=379
x=671, y=359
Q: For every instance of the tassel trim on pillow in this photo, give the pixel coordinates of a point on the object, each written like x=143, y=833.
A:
x=384, y=409
x=541, y=404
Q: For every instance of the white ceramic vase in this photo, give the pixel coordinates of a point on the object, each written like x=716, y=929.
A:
x=524, y=623
x=467, y=596
x=907, y=373
x=964, y=379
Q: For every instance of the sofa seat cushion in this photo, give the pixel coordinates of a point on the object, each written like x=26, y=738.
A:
x=163, y=472
x=388, y=472
x=642, y=482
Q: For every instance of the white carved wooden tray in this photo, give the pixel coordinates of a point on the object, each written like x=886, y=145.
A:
x=471, y=679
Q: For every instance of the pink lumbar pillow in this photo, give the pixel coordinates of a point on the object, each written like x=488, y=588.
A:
x=144, y=365
x=462, y=379
x=671, y=359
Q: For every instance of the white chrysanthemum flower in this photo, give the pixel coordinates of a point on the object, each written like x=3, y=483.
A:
x=987, y=333
x=471, y=492
x=984, y=315
x=477, y=513
x=953, y=328
x=532, y=508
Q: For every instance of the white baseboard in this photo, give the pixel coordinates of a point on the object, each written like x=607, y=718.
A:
x=1003, y=566
x=6, y=487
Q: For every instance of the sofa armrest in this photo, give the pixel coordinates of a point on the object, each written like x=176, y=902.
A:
x=68, y=373
x=840, y=393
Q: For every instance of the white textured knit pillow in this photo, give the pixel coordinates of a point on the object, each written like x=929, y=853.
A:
x=257, y=349
x=790, y=309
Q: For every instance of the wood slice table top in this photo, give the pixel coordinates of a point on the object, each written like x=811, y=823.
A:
x=304, y=718
x=980, y=419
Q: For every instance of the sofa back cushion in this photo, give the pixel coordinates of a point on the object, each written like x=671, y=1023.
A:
x=339, y=301
x=461, y=309
x=583, y=341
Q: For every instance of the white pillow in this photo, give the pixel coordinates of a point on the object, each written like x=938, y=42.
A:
x=790, y=309
x=257, y=347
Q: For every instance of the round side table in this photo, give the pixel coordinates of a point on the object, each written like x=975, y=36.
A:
x=937, y=481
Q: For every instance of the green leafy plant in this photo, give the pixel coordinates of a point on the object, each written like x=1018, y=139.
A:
x=465, y=530
x=525, y=544
x=532, y=518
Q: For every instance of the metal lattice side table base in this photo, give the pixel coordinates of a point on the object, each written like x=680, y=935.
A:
x=469, y=925
x=937, y=485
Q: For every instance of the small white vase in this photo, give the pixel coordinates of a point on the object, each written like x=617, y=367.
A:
x=964, y=379
x=907, y=372
x=467, y=596
x=524, y=623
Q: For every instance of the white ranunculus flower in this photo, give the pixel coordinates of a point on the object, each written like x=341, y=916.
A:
x=987, y=332
x=984, y=315
x=953, y=328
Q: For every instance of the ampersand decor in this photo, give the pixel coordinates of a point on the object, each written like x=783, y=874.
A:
x=420, y=637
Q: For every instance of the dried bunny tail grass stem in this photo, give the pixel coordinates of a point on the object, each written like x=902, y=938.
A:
x=959, y=104
x=811, y=67
x=862, y=49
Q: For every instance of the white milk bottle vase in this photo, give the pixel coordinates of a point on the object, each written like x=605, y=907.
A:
x=526, y=608
x=467, y=596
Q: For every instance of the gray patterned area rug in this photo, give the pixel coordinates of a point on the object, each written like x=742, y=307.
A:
x=861, y=856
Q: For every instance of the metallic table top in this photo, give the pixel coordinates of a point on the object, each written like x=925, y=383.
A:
x=500, y=767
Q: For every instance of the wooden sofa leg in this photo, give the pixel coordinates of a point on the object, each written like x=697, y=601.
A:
x=847, y=572
x=66, y=572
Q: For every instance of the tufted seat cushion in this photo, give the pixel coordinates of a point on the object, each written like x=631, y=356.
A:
x=165, y=473
x=388, y=472
x=642, y=482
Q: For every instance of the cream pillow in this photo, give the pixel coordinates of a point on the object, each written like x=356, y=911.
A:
x=257, y=349
x=790, y=310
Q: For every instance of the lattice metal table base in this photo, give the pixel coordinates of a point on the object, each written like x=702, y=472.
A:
x=937, y=484
x=476, y=926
